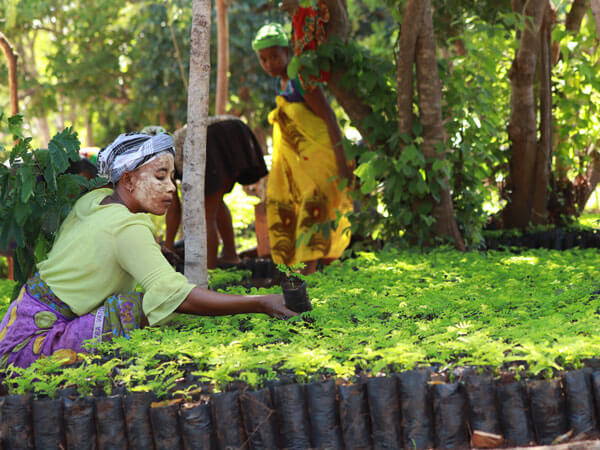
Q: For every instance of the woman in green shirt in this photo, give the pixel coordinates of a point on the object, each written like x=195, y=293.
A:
x=85, y=288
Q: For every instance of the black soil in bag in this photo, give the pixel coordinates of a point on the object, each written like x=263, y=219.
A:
x=196, y=426
x=80, y=429
x=137, y=419
x=580, y=405
x=384, y=408
x=110, y=423
x=547, y=410
x=323, y=413
x=514, y=414
x=292, y=416
x=16, y=416
x=260, y=420
x=449, y=410
x=415, y=409
x=228, y=420
x=354, y=416
x=48, y=424
x=481, y=398
x=296, y=295
x=165, y=426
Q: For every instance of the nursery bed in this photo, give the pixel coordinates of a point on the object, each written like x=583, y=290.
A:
x=531, y=316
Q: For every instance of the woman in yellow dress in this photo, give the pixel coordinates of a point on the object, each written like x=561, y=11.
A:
x=309, y=164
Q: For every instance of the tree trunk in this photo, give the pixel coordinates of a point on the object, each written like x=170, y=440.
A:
x=194, y=150
x=354, y=106
x=222, y=94
x=89, y=128
x=576, y=15
x=522, y=129
x=430, y=107
x=596, y=11
x=543, y=162
x=11, y=62
x=413, y=18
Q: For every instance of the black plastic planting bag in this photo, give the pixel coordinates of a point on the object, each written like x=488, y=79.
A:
x=514, y=414
x=580, y=405
x=196, y=426
x=259, y=419
x=415, y=408
x=449, y=408
x=137, y=418
x=80, y=429
x=547, y=410
x=384, y=409
x=292, y=416
x=323, y=413
x=228, y=420
x=48, y=424
x=354, y=416
x=481, y=397
x=2, y=424
x=16, y=415
x=165, y=426
x=110, y=423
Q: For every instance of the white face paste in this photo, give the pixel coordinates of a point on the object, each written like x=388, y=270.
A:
x=152, y=183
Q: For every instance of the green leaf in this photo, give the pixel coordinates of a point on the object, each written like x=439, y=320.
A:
x=42, y=247
x=21, y=211
x=27, y=183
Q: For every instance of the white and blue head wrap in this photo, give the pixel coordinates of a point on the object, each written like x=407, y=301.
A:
x=130, y=151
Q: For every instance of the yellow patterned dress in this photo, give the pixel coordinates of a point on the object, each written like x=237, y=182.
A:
x=303, y=187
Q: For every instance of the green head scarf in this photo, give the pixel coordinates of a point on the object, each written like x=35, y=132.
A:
x=270, y=35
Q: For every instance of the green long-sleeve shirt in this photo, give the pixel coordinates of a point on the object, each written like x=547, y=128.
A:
x=103, y=250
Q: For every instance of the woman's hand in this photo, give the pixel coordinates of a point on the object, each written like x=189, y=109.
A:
x=274, y=306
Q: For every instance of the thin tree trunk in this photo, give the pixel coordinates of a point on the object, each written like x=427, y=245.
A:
x=590, y=181
x=576, y=15
x=596, y=11
x=430, y=107
x=194, y=150
x=222, y=93
x=11, y=61
x=541, y=183
x=89, y=128
x=522, y=128
x=177, y=51
x=413, y=18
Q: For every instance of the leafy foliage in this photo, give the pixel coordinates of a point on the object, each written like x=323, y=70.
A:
x=36, y=194
x=381, y=313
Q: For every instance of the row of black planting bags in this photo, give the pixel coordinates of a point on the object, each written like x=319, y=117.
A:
x=556, y=239
x=404, y=410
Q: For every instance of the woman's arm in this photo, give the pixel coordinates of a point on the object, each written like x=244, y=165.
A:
x=208, y=303
x=316, y=101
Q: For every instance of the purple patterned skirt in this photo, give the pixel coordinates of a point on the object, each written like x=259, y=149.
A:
x=39, y=324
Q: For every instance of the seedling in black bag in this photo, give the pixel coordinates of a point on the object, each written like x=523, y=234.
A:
x=293, y=286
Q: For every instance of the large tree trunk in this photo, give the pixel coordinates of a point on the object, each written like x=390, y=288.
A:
x=430, y=107
x=11, y=61
x=522, y=129
x=222, y=94
x=194, y=150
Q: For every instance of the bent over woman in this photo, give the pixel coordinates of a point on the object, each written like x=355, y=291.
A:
x=84, y=290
